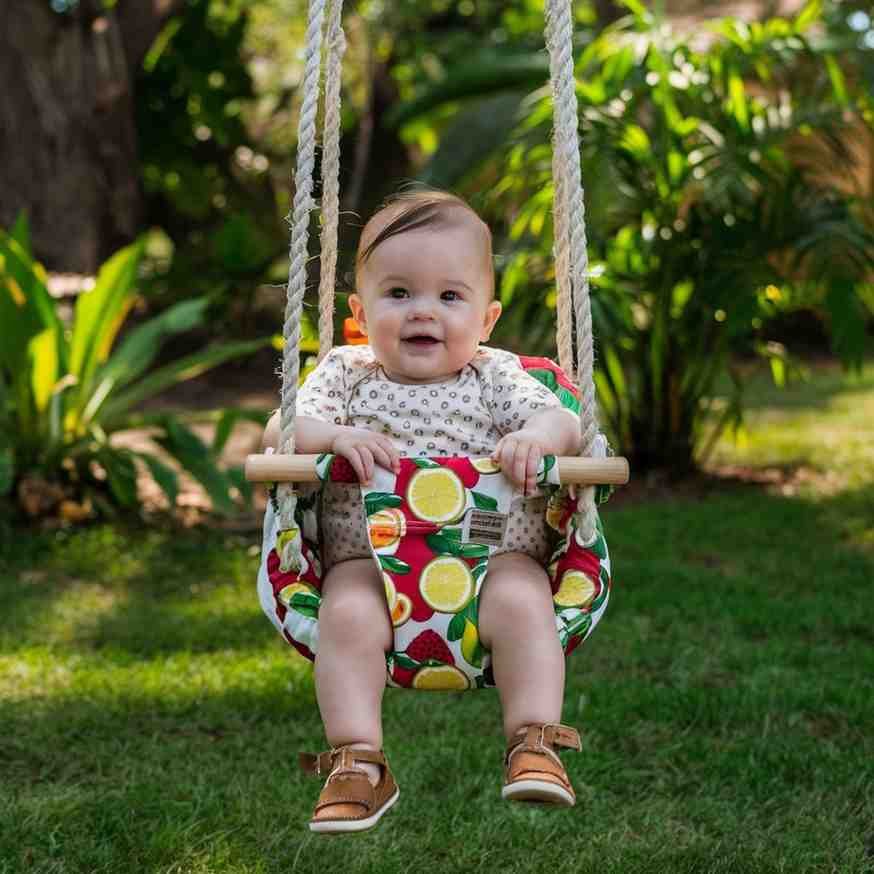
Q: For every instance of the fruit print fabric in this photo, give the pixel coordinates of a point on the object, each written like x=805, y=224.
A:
x=432, y=576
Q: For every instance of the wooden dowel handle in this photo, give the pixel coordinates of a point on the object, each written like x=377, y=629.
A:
x=302, y=469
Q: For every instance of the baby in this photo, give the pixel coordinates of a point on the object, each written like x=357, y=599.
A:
x=425, y=386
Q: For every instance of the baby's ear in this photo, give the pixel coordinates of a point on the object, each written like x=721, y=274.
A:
x=357, y=308
x=493, y=312
x=270, y=438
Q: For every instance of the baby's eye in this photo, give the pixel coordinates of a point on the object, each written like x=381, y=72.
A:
x=397, y=292
x=450, y=295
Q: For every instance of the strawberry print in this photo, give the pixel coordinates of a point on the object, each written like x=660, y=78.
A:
x=429, y=646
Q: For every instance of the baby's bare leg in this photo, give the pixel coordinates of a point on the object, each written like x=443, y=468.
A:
x=354, y=634
x=517, y=623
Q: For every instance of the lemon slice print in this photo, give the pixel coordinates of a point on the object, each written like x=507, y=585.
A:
x=554, y=512
x=402, y=610
x=436, y=494
x=441, y=678
x=285, y=537
x=485, y=465
x=386, y=527
x=446, y=584
x=470, y=645
x=286, y=593
x=575, y=590
x=391, y=593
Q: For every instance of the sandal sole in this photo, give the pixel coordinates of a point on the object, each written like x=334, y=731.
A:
x=538, y=790
x=342, y=826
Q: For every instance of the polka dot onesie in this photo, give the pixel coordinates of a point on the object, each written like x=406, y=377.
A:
x=464, y=415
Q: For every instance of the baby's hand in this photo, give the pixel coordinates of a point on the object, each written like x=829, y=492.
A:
x=519, y=455
x=363, y=448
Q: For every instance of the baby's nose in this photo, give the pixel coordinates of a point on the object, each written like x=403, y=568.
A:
x=422, y=310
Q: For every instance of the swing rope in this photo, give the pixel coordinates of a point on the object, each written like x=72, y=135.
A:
x=336, y=41
x=571, y=259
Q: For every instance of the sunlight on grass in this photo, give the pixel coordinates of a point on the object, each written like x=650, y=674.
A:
x=180, y=680
x=827, y=433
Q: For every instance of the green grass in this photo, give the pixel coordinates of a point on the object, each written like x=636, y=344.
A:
x=150, y=717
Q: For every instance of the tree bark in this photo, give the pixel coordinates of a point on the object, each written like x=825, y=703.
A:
x=68, y=147
x=607, y=12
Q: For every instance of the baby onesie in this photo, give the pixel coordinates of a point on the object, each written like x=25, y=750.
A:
x=466, y=414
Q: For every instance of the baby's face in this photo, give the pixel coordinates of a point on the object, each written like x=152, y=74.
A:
x=424, y=300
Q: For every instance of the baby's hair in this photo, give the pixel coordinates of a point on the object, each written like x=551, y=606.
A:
x=421, y=208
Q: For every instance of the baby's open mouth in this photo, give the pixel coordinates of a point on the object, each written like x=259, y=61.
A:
x=421, y=340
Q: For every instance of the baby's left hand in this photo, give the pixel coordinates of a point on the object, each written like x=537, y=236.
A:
x=519, y=455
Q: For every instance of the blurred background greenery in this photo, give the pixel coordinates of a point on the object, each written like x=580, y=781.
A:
x=728, y=162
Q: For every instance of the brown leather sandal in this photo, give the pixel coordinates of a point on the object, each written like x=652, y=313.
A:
x=533, y=769
x=357, y=804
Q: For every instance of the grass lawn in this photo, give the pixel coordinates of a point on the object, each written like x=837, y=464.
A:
x=150, y=717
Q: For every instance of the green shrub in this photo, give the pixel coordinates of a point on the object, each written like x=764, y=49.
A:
x=65, y=390
x=721, y=186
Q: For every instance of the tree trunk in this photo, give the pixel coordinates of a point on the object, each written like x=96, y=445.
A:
x=607, y=11
x=68, y=152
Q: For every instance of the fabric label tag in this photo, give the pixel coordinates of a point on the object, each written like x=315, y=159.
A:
x=485, y=527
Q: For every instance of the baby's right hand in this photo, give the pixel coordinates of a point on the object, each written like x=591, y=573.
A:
x=363, y=448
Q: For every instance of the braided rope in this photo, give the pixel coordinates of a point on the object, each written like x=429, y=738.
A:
x=297, y=270
x=336, y=47
x=559, y=41
x=560, y=253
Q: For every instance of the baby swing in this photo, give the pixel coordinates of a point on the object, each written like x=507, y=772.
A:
x=433, y=525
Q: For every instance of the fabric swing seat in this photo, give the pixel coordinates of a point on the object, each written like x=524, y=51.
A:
x=432, y=528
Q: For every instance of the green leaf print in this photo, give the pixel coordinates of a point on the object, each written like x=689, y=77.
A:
x=304, y=600
x=568, y=401
x=579, y=625
x=545, y=377
x=424, y=462
x=472, y=550
x=441, y=545
x=376, y=501
x=307, y=608
x=308, y=612
x=456, y=626
x=472, y=611
x=395, y=565
x=484, y=502
x=404, y=661
x=599, y=547
x=479, y=569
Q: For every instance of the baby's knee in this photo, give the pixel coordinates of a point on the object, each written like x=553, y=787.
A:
x=519, y=573
x=516, y=594
x=354, y=605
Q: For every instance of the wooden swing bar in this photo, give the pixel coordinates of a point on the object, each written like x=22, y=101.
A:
x=279, y=467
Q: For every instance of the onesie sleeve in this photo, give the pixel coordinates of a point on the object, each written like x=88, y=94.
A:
x=512, y=394
x=323, y=394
